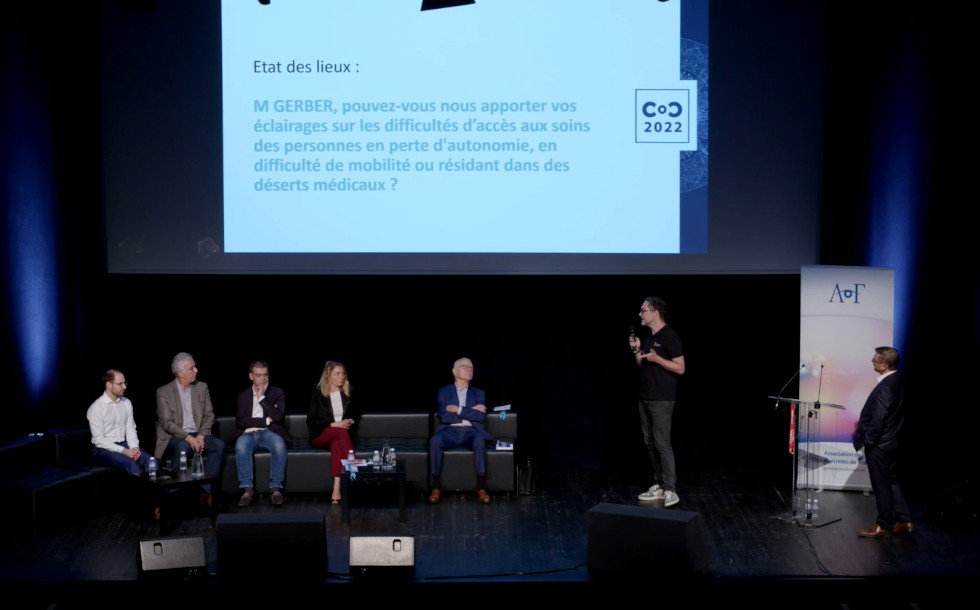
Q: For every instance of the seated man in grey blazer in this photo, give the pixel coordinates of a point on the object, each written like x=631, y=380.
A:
x=184, y=418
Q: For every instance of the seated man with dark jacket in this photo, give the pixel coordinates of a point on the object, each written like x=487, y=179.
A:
x=259, y=419
x=461, y=414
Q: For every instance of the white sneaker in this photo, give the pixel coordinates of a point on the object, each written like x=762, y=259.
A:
x=654, y=493
x=671, y=498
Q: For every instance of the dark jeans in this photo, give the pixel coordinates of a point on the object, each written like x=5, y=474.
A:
x=116, y=459
x=655, y=416
x=214, y=454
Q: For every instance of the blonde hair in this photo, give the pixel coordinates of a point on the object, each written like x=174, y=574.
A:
x=324, y=384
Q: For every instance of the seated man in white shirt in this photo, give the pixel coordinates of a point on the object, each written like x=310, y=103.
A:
x=110, y=419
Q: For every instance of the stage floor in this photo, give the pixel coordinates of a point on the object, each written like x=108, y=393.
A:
x=542, y=540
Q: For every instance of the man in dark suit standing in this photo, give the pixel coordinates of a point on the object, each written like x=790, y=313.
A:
x=461, y=414
x=877, y=433
x=185, y=416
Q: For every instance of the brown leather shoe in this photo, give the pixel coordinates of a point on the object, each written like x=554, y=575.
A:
x=482, y=496
x=903, y=528
x=875, y=531
x=434, y=496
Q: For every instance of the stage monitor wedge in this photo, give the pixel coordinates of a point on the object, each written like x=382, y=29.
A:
x=173, y=558
x=627, y=539
x=297, y=541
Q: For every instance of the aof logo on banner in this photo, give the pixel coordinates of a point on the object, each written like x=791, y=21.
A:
x=845, y=313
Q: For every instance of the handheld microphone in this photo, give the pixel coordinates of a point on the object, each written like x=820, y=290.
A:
x=633, y=336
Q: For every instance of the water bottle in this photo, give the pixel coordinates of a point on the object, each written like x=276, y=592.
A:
x=391, y=458
x=386, y=456
x=183, y=460
x=376, y=460
x=152, y=468
x=198, y=467
x=350, y=455
x=816, y=506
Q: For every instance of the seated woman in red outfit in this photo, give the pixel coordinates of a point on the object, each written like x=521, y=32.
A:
x=331, y=420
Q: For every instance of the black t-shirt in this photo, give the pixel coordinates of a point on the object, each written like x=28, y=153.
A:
x=656, y=382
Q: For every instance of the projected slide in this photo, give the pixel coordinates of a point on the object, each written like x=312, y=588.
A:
x=505, y=126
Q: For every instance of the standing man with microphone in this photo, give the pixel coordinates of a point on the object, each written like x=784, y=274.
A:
x=661, y=361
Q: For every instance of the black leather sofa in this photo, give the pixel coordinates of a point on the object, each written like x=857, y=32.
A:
x=308, y=469
x=43, y=475
x=51, y=480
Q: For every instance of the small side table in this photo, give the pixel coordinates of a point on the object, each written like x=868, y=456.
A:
x=164, y=483
x=368, y=473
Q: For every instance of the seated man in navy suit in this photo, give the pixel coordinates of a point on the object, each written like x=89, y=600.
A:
x=461, y=414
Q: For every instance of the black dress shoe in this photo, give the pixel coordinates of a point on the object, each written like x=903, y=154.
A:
x=903, y=528
x=875, y=531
